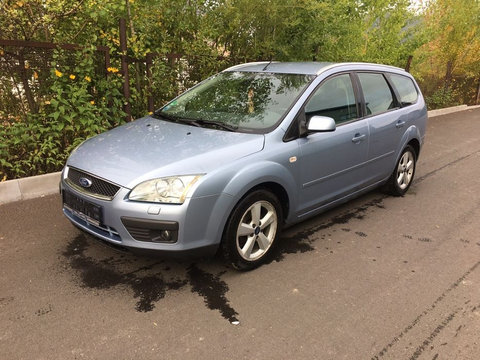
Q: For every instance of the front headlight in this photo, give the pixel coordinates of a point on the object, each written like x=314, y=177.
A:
x=173, y=189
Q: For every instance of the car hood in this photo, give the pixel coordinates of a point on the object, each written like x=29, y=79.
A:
x=149, y=148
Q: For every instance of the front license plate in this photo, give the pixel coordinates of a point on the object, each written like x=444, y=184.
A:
x=82, y=208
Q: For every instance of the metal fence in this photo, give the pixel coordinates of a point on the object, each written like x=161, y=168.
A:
x=26, y=66
x=25, y=73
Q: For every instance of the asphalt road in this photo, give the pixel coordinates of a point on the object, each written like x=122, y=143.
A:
x=377, y=278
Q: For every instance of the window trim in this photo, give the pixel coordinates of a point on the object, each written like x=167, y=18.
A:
x=294, y=129
x=392, y=92
x=388, y=74
x=294, y=132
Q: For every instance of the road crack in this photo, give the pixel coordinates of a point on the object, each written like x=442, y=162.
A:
x=437, y=301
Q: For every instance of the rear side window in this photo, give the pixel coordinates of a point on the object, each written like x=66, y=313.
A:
x=377, y=93
x=334, y=98
x=405, y=88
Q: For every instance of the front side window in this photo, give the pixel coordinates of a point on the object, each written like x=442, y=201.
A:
x=240, y=100
x=334, y=98
x=405, y=88
x=377, y=93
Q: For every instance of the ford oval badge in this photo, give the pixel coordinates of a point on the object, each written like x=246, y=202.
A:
x=84, y=182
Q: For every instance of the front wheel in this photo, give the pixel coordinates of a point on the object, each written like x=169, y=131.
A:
x=402, y=176
x=252, y=229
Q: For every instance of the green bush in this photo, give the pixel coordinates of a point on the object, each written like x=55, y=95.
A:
x=82, y=104
x=442, y=98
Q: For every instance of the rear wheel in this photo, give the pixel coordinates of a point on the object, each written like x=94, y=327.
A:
x=402, y=176
x=252, y=230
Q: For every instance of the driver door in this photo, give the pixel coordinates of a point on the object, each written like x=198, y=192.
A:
x=332, y=164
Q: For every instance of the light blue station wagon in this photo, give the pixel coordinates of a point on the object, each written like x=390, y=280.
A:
x=256, y=147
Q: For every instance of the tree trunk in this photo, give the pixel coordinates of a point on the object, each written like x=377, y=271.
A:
x=448, y=75
x=26, y=86
x=126, y=80
x=477, y=100
x=137, y=65
x=409, y=63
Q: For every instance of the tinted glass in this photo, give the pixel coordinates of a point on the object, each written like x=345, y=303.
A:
x=377, y=93
x=241, y=99
x=405, y=88
x=335, y=98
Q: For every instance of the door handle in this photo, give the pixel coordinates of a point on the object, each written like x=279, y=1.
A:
x=399, y=124
x=357, y=138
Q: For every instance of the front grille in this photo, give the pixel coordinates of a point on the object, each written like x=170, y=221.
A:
x=98, y=188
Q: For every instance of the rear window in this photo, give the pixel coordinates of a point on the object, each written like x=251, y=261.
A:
x=377, y=93
x=405, y=88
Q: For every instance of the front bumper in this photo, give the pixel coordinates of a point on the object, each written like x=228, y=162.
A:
x=194, y=227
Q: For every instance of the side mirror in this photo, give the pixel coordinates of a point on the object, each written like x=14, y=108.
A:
x=321, y=124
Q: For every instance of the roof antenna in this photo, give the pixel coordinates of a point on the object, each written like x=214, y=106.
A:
x=266, y=66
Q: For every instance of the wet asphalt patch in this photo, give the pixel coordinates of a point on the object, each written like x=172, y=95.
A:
x=104, y=274
x=213, y=291
x=149, y=283
x=150, y=280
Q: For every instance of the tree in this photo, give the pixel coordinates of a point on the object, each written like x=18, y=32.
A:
x=452, y=48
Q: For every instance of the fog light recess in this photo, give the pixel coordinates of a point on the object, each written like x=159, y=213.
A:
x=155, y=231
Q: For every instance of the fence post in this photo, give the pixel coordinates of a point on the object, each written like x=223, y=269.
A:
x=409, y=62
x=149, y=82
x=126, y=81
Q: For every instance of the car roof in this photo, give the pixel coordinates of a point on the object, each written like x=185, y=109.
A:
x=305, y=68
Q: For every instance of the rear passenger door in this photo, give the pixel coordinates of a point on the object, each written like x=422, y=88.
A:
x=332, y=164
x=386, y=121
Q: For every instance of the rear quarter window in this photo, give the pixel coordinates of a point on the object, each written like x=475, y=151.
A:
x=405, y=88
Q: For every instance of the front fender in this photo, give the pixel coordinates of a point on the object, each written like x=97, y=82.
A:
x=242, y=182
x=260, y=173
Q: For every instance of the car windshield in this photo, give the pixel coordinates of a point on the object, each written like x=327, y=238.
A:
x=238, y=100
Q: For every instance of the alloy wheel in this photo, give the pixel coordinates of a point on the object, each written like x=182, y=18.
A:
x=405, y=170
x=256, y=230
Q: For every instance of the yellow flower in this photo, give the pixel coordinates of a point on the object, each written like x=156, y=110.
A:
x=47, y=102
x=112, y=70
x=72, y=77
x=35, y=75
x=58, y=73
x=92, y=102
x=150, y=112
x=88, y=78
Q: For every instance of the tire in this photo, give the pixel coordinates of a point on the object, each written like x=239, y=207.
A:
x=247, y=242
x=402, y=176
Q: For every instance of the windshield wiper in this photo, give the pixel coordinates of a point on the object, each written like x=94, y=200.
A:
x=162, y=115
x=194, y=122
x=218, y=124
